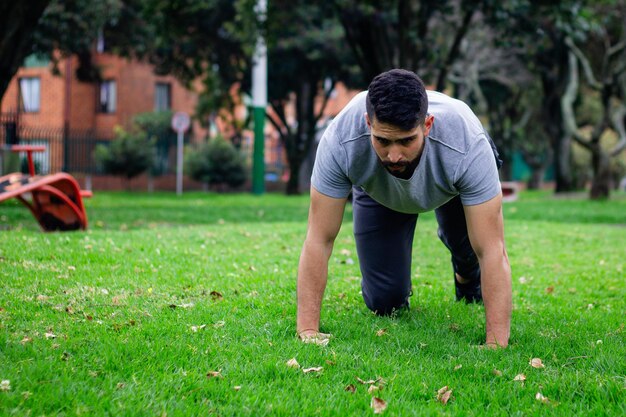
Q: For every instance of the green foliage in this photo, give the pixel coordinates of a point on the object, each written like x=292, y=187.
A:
x=128, y=155
x=216, y=162
x=157, y=127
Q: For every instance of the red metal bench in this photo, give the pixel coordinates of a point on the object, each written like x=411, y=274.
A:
x=55, y=200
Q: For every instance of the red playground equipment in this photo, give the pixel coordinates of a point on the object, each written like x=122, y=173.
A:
x=55, y=200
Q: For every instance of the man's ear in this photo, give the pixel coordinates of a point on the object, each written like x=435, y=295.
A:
x=367, y=120
x=428, y=124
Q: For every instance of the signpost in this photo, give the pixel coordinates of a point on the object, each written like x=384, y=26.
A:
x=180, y=123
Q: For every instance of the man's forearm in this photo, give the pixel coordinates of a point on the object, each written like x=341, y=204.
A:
x=312, y=277
x=496, y=289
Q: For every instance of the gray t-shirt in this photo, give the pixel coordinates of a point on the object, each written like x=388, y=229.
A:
x=457, y=160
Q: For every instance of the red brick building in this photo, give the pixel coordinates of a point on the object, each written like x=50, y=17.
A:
x=44, y=100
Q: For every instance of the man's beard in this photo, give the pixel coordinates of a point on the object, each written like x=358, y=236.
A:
x=402, y=169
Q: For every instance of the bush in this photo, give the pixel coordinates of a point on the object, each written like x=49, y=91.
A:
x=128, y=155
x=157, y=126
x=216, y=162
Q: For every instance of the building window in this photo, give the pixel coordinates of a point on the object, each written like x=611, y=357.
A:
x=30, y=94
x=162, y=97
x=108, y=97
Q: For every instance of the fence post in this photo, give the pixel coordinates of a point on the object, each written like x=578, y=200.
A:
x=66, y=147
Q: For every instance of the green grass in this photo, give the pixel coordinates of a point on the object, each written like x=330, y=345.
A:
x=121, y=300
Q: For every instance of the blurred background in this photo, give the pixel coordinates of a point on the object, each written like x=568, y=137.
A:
x=97, y=83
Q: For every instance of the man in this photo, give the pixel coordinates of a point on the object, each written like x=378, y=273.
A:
x=402, y=151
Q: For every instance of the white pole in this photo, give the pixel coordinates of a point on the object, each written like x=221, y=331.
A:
x=259, y=102
x=179, y=163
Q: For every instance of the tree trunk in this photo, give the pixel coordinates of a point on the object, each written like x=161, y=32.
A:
x=536, y=177
x=293, y=183
x=562, y=164
x=18, y=20
x=601, y=183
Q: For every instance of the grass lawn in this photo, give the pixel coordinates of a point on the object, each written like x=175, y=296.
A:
x=186, y=306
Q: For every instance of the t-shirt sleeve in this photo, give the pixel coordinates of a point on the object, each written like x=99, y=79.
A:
x=477, y=175
x=329, y=171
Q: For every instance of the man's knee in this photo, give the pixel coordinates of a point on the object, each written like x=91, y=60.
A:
x=384, y=304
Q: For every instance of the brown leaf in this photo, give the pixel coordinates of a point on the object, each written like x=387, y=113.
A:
x=25, y=340
x=69, y=310
x=550, y=290
x=539, y=397
x=374, y=388
x=536, y=363
x=378, y=404
x=520, y=377
x=350, y=388
x=496, y=372
x=443, y=395
x=293, y=363
x=381, y=332
x=214, y=374
x=314, y=369
x=369, y=382
x=216, y=295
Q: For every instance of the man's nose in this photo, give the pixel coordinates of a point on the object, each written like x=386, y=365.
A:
x=394, y=155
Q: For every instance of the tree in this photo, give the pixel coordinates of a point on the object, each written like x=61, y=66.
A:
x=18, y=22
x=422, y=36
x=604, y=66
x=307, y=59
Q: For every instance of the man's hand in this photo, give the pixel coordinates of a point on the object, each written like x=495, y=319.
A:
x=486, y=232
x=315, y=337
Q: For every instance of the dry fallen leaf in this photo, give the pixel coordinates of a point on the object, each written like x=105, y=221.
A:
x=5, y=385
x=214, y=374
x=539, y=397
x=216, y=295
x=195, y=329
x=293, y=363
x=381, y=332
x=536, y=363
x=314, y=369
x=50, y=335
x=520, y=377
x=378, y=404
x=443, y=394
x=496, y=372
x=374, y=388
x=369, y=382
x=26, y=340
x=550, y=290
x=350, y=388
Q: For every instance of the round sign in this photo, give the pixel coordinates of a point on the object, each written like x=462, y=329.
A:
x=181, y=122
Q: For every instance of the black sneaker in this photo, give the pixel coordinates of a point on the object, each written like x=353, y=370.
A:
x=469, y=292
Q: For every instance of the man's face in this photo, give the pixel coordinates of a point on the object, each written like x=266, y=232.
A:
x=398, y=150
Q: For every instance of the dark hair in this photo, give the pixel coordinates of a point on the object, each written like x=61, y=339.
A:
x=397, y=97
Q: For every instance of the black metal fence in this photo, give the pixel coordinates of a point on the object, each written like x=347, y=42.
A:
x=73, y=150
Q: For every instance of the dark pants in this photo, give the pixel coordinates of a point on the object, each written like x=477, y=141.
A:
x=384, y=242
